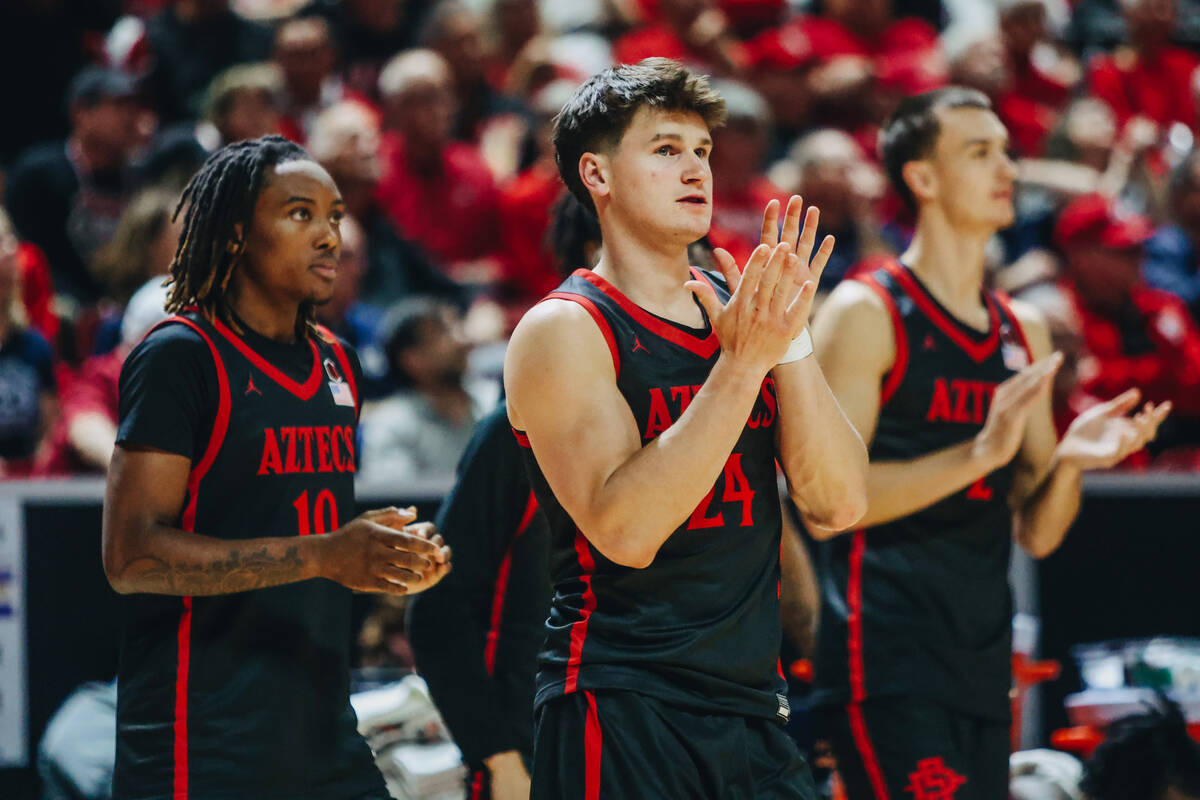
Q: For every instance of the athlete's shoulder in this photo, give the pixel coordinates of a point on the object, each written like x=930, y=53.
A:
x=175, y=337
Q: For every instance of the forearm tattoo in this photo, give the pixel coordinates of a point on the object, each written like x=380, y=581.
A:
x=234, y=571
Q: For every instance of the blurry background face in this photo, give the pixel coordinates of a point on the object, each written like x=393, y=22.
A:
x=1023, y=26
x=350, y=149
x=251, y=113
x=305, y=53
x=983, y=65
x=1149, y=21
x=380, y=15
x=111, y=125
x=460, y=42
x=352, y=265
x=829, y=173
x=1091, y=129
x=9, y=271
x=866, y=17
x=739, y=149
x=1104, y=276
x=426, y=111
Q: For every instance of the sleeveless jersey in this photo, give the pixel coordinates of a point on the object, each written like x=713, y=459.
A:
x=247, y=694
x=699, y=627
x=922, y=604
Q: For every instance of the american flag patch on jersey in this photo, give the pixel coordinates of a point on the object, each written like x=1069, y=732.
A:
x=1014, y=356
x=342, y=395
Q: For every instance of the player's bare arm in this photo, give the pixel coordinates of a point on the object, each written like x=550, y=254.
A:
x=145, y=551
x=855, y=367
x=822, y=454
x=1048, y=478
x=627, y=499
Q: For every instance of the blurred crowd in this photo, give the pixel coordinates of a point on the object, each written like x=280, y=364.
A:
x=434, y=118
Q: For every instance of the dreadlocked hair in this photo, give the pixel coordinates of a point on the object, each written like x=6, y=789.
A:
x=219, y=197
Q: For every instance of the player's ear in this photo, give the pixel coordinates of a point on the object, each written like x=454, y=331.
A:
x=921, y=180
x=235, y=244
x=596, y=174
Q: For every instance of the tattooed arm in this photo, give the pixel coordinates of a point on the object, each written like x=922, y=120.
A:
x=145, y=552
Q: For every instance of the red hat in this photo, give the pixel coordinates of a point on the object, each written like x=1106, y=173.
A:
x=1102, y=220
x=785, y=48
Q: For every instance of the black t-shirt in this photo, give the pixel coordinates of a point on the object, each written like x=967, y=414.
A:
x=476, y=634
x=699, y=627
x=243, y=694
x=69, y=215
x=921, y=604
x=26, y=373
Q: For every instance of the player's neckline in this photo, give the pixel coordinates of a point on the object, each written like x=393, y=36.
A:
x=976, y=343
x=703, y=344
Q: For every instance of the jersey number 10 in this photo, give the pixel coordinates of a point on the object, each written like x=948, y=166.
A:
x=314, y=522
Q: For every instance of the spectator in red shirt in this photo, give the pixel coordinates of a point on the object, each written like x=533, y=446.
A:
x=346, y=141
x=438, y=192
x=739, y=157
x=695, y=32
x=525, y=212
x=455, y=32
x=1150, y=77
x=86, y=430
x=1134, y=335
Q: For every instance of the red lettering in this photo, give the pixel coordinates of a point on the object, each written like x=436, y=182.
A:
x=659, y=417
x=684, y=395
x=325, y=498
x=303, y=524
x=290, y=464
x=323, y=464
x=271, y=461
x=980, y=490
x=737, y=488
x=305, y=435
x=700, y=519
x=337, y=454
x=979, y=390
x=349, y=449
x=770, y=401
x=962, y=393
x=939, y=407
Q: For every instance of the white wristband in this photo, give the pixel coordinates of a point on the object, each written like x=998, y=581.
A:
x=801, y=347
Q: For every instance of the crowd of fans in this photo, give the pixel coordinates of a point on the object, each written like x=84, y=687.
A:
x=434, y=118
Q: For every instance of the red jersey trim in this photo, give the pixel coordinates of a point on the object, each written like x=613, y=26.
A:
x=522, y=438
x=866, y=751
x=1004, y=302
x=701, y=346
x=978, y=351
x=895, y=375
x=858, y=546
x=501, y=589
x=593, y=747
x=601, y=322
x=183, y=660
x=343, y=362
x=304, y=391
x=579, y=627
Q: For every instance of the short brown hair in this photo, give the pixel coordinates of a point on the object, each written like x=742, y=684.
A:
x=598, y=114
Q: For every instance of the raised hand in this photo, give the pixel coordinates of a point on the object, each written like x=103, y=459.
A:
x=385, y=551
x=1104, y=435
x=772, y=296
x=1012, y=403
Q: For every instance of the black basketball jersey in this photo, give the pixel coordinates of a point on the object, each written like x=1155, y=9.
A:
x=699, y=627
x=245, y=694
x=922, y=604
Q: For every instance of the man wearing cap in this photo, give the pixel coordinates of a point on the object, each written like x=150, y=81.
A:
x=66, y=197
x=1135, y=335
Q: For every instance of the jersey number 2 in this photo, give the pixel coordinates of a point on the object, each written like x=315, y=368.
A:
x=314, y=522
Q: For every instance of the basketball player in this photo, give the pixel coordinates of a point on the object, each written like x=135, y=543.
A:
x=654, y=421
x=235, y=450
x=949, y=383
